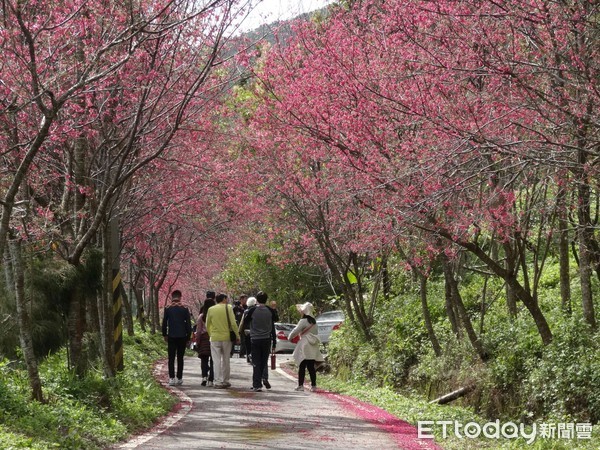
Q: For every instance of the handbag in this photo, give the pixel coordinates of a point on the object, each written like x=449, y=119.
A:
x=296, y=339
x=203, y=344
x=313, y=339
x=232, y=336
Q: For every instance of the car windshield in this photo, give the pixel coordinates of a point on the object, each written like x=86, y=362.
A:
x=331, y=315
x=284, y=326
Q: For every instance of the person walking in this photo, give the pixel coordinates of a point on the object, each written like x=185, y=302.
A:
x=239, y=308
x=262, y=336
x=220, y=321
x=244, y=330
x=176, y=331
x=308, y=348
x=203, y=345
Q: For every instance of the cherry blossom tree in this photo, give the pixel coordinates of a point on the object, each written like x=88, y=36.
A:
x=91, y=93
x=429, y=109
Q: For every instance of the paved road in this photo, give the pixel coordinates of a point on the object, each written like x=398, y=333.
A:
x=280, y=418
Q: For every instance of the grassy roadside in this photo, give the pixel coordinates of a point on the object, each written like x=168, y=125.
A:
x=88, y=413
x=415, y=409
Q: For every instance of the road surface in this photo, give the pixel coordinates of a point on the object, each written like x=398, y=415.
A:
x=280, y=418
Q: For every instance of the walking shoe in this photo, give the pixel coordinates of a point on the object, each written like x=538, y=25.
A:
x=256, y=389
x=220, y=386
x=203, y=382
x=299, y=388
x=172, y=382
x=226, y=384
x=210, y=384
x=179, y=382
x=313, y=389
x=266, y=383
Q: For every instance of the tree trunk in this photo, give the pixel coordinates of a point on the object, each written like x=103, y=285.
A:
x=24, y=321
x=585, y=237
x=511, y=302
x=427, y=316
x=128, y=315
x=563, y=246
x=511, y=298
x=585, y=275
x=447, y=398
x=138, y=291
x=449, y=304
x=9, y=276
x=387, y=282
x=528, y=300
x=106, y=309
x=462, y=311
x=152, y=305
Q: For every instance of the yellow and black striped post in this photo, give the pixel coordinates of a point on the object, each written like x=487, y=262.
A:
x=117, y=288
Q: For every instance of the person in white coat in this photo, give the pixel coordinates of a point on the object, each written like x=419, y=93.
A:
x=308, y=348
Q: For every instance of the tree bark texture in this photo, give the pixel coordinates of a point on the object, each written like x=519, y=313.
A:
x=427, y=316
x=462, y=311
x=24, y=321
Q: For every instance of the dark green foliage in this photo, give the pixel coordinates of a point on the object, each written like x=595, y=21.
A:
x=250, y=271
x=523, y=379
x=50, y=284
x=90, y=412
x=565, y=381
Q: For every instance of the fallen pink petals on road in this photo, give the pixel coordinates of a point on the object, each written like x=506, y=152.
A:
x=404, y=433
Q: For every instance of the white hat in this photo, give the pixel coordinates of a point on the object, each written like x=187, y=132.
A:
x=305, y=308
x=251, y=302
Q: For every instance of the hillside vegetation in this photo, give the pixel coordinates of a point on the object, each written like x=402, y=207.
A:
x=92, y=412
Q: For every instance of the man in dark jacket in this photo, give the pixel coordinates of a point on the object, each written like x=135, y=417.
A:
x=176, y=330
x=261, y=321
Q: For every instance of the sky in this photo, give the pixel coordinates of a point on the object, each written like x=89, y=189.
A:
x=267, y=11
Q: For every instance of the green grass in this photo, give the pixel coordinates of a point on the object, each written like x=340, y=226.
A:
x=89, y=413
x=415, y=409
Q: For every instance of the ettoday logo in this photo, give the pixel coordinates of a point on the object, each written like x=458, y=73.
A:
x=508, y=430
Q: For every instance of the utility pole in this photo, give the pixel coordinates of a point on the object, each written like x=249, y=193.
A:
x=117, y=290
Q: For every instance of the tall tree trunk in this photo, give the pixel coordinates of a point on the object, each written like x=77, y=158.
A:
x=450, y=309
x=9, y=275
x=522, y=294
x=509, y=265
x=585, y=237
x=387, y=282
x=139, y=296
x=24, y=321
x=462, y=311
x=563, y=247
x=483, y=307
x=128, y=315
x=585, y=275
x=106, y=308
x=427, y=316
x=152, y=305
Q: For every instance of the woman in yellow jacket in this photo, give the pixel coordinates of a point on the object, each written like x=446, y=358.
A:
x=220, y=322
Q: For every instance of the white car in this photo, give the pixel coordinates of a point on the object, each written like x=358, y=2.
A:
x=282, y=330
x=327, y=322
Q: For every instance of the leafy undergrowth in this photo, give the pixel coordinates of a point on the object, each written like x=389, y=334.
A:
x=415, y=409
x=89, y=413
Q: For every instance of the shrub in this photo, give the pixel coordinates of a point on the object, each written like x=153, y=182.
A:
x=89, y=412
x=564, y=382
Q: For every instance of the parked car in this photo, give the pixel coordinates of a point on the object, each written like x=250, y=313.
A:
x=327, y=322
x=282, y=330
